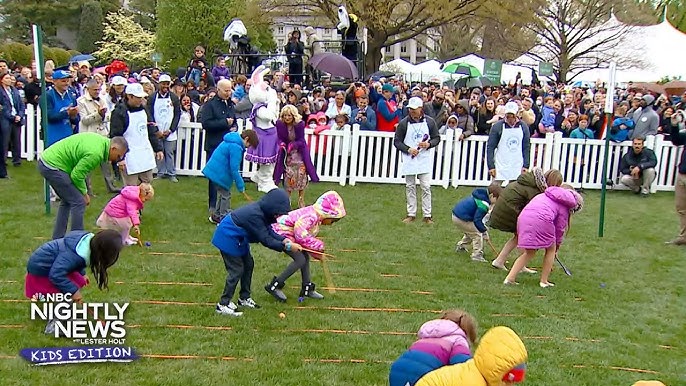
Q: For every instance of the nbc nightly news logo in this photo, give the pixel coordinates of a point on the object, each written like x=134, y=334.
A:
x=83, y=323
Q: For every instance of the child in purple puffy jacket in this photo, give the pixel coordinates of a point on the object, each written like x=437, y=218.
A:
x=542, y=225
x=444, y=341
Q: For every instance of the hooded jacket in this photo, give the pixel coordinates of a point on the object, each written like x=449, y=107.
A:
x=445, y=127
x=645, y=119
x=474, y=208
x=500, y=353
x=224, y=166
x=544, y=220
x=126, y=204
x=514, y=198
x=252, y=224
x=441, y=342
x=58, y=258
x=302, y=225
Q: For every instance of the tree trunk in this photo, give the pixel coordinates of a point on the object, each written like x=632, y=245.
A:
x=374, y=54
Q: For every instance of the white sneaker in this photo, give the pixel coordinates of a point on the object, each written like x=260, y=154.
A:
x=479, y=257
x=528, y=270
x=546, y=285
x=229, y=309
x=249, y=302
x=460, y=248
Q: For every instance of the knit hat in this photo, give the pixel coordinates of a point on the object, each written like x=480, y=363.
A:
x=579, y=202
x=649, y=99
x=539, y=177
x=330, y=205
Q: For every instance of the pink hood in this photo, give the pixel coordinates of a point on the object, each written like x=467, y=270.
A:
x=565, y=197
x=440, y=328
x=126, y=204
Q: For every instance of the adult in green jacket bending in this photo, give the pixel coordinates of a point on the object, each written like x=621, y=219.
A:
x=65, y=165
x=512, y=200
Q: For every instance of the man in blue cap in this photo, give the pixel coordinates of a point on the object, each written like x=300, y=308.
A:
x=63, y=112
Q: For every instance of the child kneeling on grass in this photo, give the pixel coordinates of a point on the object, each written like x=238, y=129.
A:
x=301, y=226
x=468, y=215
x=59, y=266
x=249, y=224
x=500, y=359
x=123, y=211
x=224, y=169
x=442, y=342
x=542, y=225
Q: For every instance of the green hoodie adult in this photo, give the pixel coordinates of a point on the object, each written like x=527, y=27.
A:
x=514, y=198
x=78, y=155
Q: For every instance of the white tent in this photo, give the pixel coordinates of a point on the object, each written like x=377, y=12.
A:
x=398, y=64
x=428, y=71
x=660, y=46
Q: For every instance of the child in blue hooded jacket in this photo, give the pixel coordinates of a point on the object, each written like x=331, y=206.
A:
x=59, y=266
x=224, y=169
x=468, y=215
x=249, y=224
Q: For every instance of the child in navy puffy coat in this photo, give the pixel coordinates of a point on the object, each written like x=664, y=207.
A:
x=468, y=216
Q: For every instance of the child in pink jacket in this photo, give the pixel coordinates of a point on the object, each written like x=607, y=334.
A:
x=301, y=226
x=122, y=212
x=444, y=341
x=542, y=225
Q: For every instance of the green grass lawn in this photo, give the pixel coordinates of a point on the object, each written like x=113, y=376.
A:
x=578, y=333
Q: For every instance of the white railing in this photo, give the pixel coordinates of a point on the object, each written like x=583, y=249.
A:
x=352, y=156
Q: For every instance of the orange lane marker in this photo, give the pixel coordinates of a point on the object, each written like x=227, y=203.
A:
x=665, y=347
x=7, y=357
x=357, y=332
x=356, y=251
x=180, y=254
x=629, y=369
x=164, y=283
x=309, y=360
x=371, y=309
x=390, y=275
x=182, y=327
x=11, y=326
x=572, y=339
x=9, y=281
x=356, y=289
x=164, y=356
x=163, y=302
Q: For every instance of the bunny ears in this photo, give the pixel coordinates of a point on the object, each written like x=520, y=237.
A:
x=258, y=75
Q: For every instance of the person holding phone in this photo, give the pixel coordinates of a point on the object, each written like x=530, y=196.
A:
x=364, y=115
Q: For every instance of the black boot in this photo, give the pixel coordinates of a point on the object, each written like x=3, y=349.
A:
x=308, y=291
x=274, y=289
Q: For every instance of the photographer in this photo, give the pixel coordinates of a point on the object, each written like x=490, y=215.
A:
x=364, y=115
x=294, y=51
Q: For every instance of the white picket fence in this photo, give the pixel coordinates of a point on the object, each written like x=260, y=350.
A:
x=352, y=156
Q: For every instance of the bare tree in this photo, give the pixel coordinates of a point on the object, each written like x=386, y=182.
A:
x=387, y=21
x=579, y=35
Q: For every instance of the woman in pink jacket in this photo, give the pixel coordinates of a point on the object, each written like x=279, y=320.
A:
x=122, y=212
x=542, y=225
x=301, y=226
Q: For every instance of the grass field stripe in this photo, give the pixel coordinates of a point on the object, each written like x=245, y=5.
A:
x=11, y=326
x=166, y=283
x=9, y=281
x=356, y=332
x=355, y=250
x=629, y=369
x=345, y=361
x=390, y=275
x=168, y=356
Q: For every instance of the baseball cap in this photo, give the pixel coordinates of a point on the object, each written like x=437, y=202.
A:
x=118, y=81
x=144, y=79
x=165, y=78
x=61, y=74
x=387, y=87
x=136, y=89
x=511, y=108
x=415, y=103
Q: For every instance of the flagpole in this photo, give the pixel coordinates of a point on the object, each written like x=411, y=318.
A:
x=43, y=102
x=609, y=107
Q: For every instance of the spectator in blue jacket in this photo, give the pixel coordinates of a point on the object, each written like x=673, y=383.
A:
x=468, y=215
x=217, y=118
x=364, y=115
x=11, y=119
x=224, y=169
x=59, y=266
x=249, y=224
x=62, y=111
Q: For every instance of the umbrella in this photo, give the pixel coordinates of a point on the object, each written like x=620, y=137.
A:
x=480, y=81
x=381, y=74
x=462, y=68
x=675, y=87
x=81, y=58
x=334, y=64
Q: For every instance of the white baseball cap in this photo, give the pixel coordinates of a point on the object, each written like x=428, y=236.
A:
x=144, y=79
x=135, y=89
x=165, y=78
x=415, y=103
x=118, y=81
x=511, y=108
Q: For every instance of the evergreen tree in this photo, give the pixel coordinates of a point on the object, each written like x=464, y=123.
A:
x=90, y=28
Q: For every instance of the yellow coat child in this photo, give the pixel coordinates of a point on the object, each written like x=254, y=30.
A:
x=499, y=360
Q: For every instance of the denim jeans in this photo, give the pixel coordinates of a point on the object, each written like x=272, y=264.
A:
x=71, y=201
x=195, y=76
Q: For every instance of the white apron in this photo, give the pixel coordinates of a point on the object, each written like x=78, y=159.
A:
x=508, y=155
x=423, y=162
x=164, y=114
x=140, y=157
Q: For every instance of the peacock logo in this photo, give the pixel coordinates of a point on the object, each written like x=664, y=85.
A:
x=38, y=297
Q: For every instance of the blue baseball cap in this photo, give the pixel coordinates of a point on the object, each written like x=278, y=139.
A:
x=61, y=74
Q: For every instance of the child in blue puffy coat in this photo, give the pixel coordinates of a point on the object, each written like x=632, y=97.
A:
x=468, y=216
